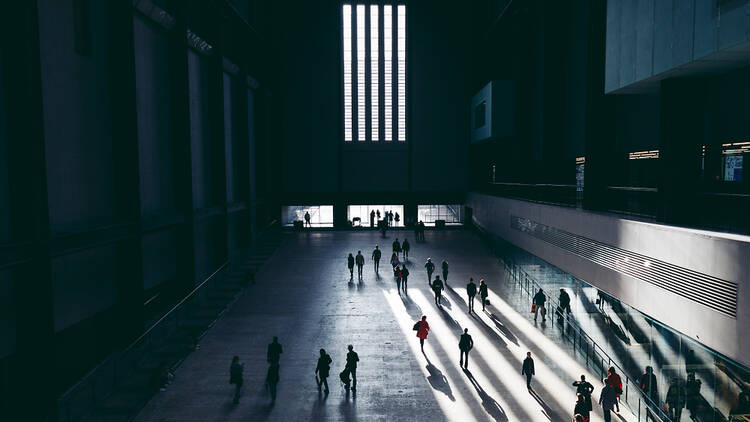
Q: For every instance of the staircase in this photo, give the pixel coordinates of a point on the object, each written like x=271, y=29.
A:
x=118, y=388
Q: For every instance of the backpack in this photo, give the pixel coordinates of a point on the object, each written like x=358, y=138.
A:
x=344, y=376
x=416, y=326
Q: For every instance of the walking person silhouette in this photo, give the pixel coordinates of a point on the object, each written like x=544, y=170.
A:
x=323, y=369
x=350, y=264
x=376, y=254
x=360, y=260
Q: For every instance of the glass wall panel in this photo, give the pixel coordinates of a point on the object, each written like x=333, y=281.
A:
x=320, y=215
x=451, y=214
x=360, y=215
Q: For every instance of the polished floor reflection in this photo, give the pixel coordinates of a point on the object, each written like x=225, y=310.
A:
x=305, y=297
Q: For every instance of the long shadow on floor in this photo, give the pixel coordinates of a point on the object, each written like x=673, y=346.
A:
x=449, y=320
x=412, y=308
x=547, y=410
x=438, y=381
x=503, y=328
x=499, y=341
x=490, y=405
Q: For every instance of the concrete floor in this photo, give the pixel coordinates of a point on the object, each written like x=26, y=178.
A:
x=305, y=298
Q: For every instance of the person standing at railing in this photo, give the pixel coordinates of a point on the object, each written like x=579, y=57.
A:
x=539, y=300
x=235, y=377
x=648, y=385
x=564, y=301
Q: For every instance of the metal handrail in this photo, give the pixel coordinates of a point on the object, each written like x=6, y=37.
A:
x=113, y=359
x=656, y=415
x=547, y=185
x=188, y=296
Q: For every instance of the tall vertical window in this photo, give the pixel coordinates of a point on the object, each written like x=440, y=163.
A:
x=348, y=73
x=374, y=74
x=401, y=73
x=388, y=70
x=361, y=105
x=374, y=54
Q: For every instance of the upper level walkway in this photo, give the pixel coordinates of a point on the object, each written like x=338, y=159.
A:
x=304, y=297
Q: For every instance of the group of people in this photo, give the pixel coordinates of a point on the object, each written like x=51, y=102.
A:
x=322, y=370
x=609, y=397
x=539, y=302
x=273, y=355
x=419, y=231
x=465, y=342
x=400, y=272
x=388, y=218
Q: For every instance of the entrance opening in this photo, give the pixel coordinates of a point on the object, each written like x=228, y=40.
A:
x=359, y=215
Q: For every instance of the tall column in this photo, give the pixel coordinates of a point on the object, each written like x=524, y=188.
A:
x=599, y=115
x=682, y=134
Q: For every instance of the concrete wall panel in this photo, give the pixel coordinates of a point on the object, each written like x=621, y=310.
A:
x=155, y=143
x=159, y=257
x=84, y=284
x=77, y=120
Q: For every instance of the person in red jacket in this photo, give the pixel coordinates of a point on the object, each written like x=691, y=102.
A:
x=614, y=381
x=422, y=330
